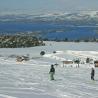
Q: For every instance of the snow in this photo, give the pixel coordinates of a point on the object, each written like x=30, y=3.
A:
x=30, y=79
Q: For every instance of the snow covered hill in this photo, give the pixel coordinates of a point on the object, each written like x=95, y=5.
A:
x=90, y=17
x=30, y=79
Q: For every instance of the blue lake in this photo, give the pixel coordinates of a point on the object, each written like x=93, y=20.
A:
x=50, y=30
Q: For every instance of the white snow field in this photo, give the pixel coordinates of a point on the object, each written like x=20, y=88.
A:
x=30, y=79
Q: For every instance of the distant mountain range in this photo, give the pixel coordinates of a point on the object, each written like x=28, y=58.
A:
x=77, y=18
x=77, y=25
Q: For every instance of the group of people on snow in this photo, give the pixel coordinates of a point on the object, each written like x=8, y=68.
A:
x=52, y=72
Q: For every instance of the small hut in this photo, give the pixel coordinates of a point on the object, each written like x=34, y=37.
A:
x=67, y=62
x=96, y=63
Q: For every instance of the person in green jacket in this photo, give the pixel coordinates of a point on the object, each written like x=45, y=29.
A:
x=52, y=72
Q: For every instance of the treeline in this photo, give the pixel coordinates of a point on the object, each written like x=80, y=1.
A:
x=74, y=40
x=18, y=41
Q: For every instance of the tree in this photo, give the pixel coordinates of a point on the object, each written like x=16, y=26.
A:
x=66, y=39
x=87, y=60
x=54, y=52
x=42, y=53
x=77, y=62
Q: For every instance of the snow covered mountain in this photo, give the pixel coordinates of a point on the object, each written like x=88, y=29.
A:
x=90, y=17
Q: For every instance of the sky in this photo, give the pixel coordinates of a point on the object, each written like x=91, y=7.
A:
x=46, y=6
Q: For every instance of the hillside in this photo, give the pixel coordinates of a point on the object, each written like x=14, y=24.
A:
x=19, y=41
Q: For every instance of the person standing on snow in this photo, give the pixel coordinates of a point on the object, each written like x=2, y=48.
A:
x=52, y=72
x=92, y=73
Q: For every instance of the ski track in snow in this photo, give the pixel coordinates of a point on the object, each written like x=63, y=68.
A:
x=30, y=79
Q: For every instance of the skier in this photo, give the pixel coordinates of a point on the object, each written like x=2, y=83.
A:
x=52, y=72
x=92, y=73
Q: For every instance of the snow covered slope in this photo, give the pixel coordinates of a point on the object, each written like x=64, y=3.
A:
x=30, y=79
